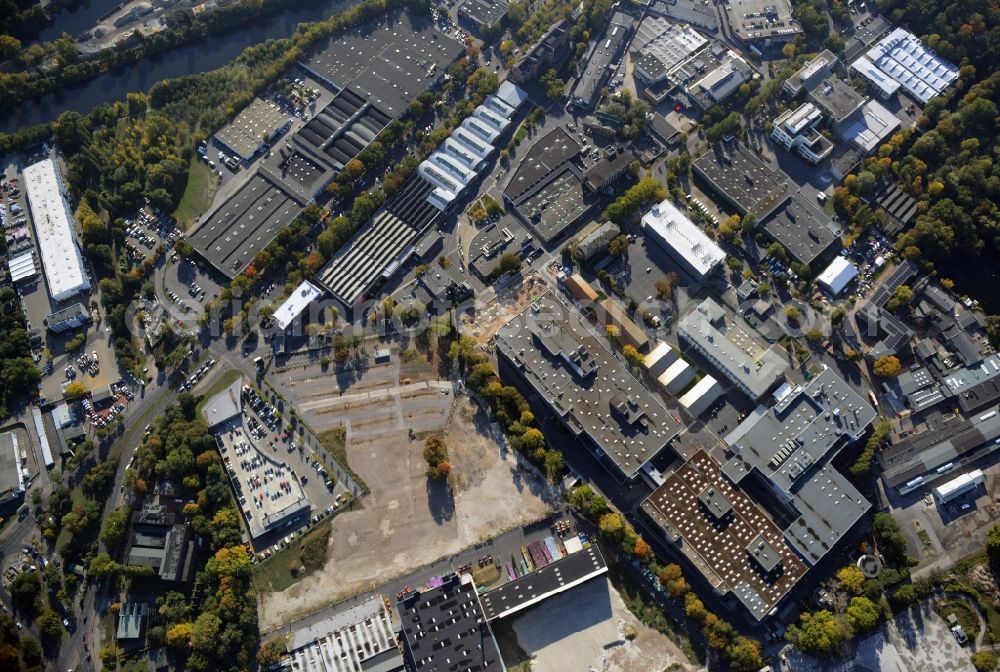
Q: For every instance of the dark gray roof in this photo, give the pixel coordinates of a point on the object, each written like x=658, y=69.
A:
x=554, y=578
x=575, y=374
x=543, y=158
x=740, y=177
x=804, y=230
x=483, y=13
x=588, y=87
x=445, y=631
x=836, y=98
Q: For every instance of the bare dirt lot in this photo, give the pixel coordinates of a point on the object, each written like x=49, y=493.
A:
x=585, y=629
x=509, y=302
x=407, y=521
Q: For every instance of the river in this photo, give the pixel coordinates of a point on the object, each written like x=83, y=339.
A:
x=186, y=59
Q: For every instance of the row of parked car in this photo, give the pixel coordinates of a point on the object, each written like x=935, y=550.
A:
x=193, y=379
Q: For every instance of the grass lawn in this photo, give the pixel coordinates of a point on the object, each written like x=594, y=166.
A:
x=304, y=556
x=225, y=380
x=78, y=499
x=486, y=576
x=335, y=442
x=201, y=186
x=963, y=611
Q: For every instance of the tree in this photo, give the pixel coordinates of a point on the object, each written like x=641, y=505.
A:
x=993, y=545
x=984, y=661
x=611, y=525
x=665, y=286
x=509, y=263
x=792, y=313
x=618, y=247
x=49, y=625
x=744, y=655
x=553, y=464
x=862, y=614
x=901, y=297
x=851, y=579
x=75, y=391
x=887, y=366
x=818, y=633
x=25, y=589
x=178, y=635
x=553, y=86
x=633, y=356
x=114, y=525
x=694, y=608
x=271, y=652
x=890, y=537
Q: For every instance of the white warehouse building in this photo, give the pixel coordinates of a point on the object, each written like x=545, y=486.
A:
x=956, y=487
x=60, y=255
x=682, y=239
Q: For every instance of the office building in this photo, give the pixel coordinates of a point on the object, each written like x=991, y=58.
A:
x=712, y=332
x=795, y=130
x=687, y=244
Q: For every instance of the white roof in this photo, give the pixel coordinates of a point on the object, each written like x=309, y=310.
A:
x=871, y=127
x=954, y=485
x=512, y=94
x=675, y=372
x=702, y=393
x=902, y=56
x=61, y=258
x=22, y=267
x=873, y=74
x=836, y=276
x=297, y=301
x=675, y=229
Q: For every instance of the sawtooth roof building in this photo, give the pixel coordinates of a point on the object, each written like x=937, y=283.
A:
x=900, y=59
x=62, y=262
x=361, y=638
x=555, y=354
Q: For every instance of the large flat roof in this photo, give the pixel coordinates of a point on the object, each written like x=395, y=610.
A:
x=676, y=230
x=254, y=125
x=740, y=177
x=387, y=61
x=790, y=448
x=10, y=465
x=805, y=231
x=869, y=129
x=588, y=87
x=61, y=259
x=722, y=543
x=588, y=387
x=715, y=335
x=232, y=235
x=556, y=577
x=838, y=99
x=444, y=629
x=347, y=640
x=547, y=154
x=763, y=20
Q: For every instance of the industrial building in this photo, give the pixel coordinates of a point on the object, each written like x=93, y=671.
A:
x=291, y=309
x=71, y=317
x=754, y=525
x=62, y=262
x=131, y=620
x=687, y=244
x=13, y=468
x=734, y=173
x=660, y=46
x=159, y=540
x=376, y=70
x=723, y=73
x=482, y=15
x=795, y=130
x=555, y=354
x=587, y=89
x=923, y=459
x=804, y=230
x=701, y=396
x=874, y=321
x=714, y=334
x=546, y=190
x=959, y=486
x=382, y=245
x=561, y=574
x=835, y=277
x=659, y=358
x=900, y=59
x=253, y=128
x=686, y=12
x=361, y=637
x=868, y=128
x=444, y=628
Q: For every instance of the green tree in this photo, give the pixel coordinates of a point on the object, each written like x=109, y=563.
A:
x=618, y=247
x=887, y=366
x=509, y=263
x=49, y=625
x=818, y=633
x=744, y=655
x=890, y=537
x=851, y=579
x=862, y=614
x=993, y=545
x=984, y=661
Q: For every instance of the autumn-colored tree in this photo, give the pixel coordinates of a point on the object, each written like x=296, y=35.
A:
x=641, y=549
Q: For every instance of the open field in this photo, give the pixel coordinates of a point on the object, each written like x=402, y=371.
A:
x=407, y=521
x=198, y=193
x=590, y=628
x=300, y=559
